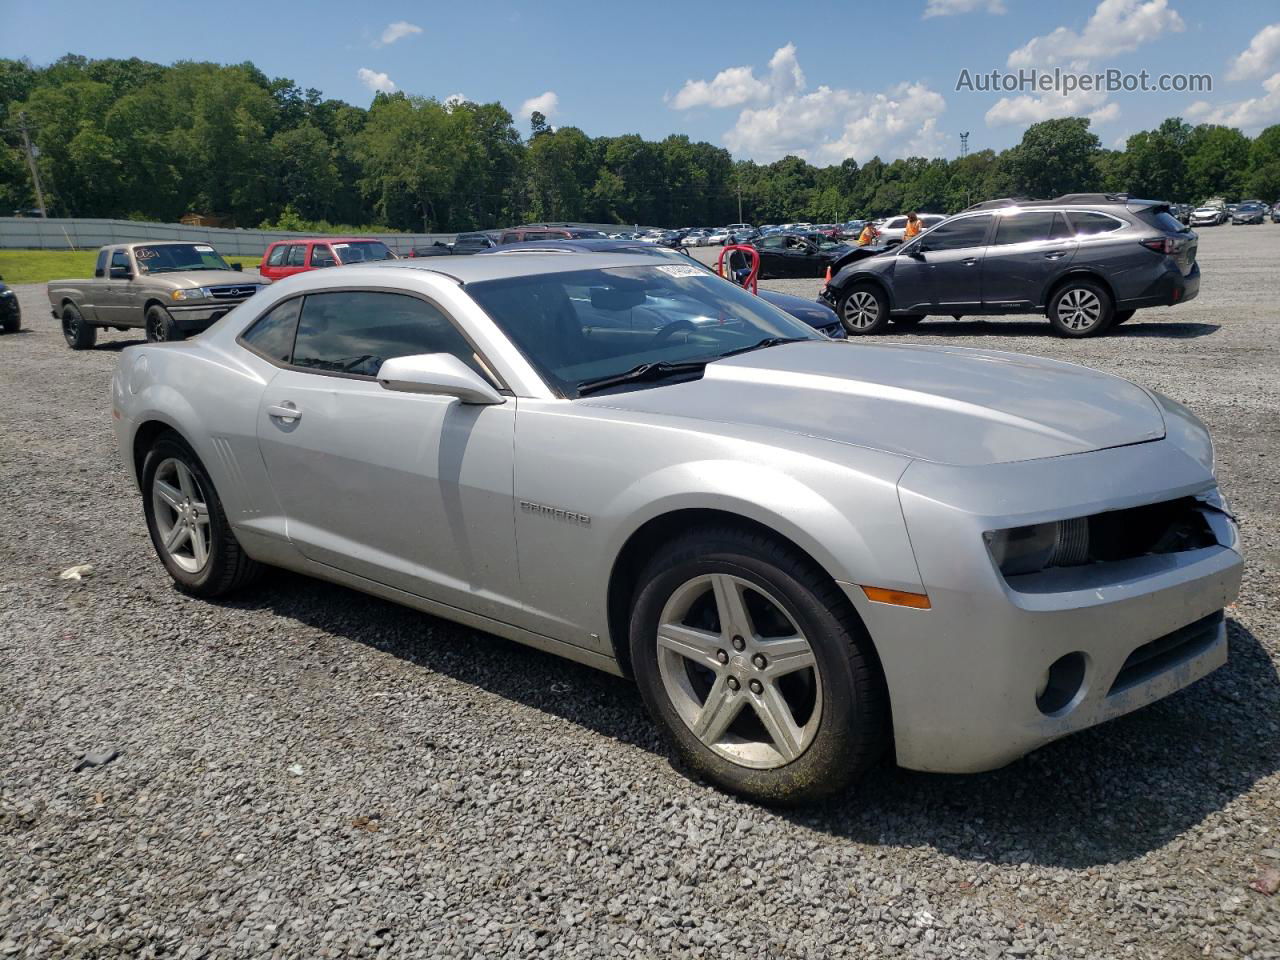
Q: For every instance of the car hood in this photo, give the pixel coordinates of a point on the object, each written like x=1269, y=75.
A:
x=943, y=404
x=206, y=278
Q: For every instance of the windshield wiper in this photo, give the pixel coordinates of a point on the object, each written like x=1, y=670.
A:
x=645, y=371
x=766, y=342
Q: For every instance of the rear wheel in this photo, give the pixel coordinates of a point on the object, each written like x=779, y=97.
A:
x=1080, y=308
x=752, y=661
x=1120, y=316
x=188, y=526
x=863, y=309
x=79, y=334
x=160, y=326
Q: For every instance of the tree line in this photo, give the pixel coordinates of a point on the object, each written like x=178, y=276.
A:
x=140, y=140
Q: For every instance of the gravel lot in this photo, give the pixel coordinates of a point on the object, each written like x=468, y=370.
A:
x=308, y=772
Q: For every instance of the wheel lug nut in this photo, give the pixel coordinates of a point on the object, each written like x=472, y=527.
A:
x=760, y=661
x=733, y=683
x=756, y=686
x=739, y=643
x=722, y=656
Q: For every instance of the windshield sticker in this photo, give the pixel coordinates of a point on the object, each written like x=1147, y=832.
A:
x=145, y=253
x=202, y=248
x=681, y=270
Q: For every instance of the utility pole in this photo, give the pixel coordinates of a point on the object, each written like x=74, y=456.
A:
x=739, y=202
x=31, y=162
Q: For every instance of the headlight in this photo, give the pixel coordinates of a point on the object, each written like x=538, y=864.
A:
x=199, y=293
x=6, y=293
x=1020, y=550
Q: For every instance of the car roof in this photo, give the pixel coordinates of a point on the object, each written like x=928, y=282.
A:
x=478, y=268
x=329, y=240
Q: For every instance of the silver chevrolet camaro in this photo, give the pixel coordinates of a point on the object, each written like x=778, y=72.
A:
x=805, y=551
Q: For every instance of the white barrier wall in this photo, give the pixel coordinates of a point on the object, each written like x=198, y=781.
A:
x=34, y=233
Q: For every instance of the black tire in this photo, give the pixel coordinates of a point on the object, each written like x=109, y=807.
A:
x=12, y=323
x=907, y=319
x=160, y=326
x=1072, y=320
x=227, y=566
x=851, y=728
x=1120, y=316
x=78, y=334
x=856, y=312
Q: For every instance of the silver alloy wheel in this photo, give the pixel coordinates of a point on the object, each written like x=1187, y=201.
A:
x=182, y=515
x=711, y=676
x=1079, y=309
x=861, y=310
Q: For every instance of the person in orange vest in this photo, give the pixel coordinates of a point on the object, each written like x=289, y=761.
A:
x=914, y=226
x=869, y=235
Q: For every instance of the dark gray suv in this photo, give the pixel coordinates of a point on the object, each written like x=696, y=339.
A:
x=1087, y=261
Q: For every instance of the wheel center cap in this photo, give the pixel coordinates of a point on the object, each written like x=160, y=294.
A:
x=738, y=666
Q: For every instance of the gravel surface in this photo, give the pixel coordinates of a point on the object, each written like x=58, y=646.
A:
x=308, y=772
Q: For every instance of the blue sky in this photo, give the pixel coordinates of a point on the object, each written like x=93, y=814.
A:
x=821, y=79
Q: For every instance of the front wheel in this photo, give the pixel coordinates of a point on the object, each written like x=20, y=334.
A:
x=755, y=666
x=863, y=309
x=160, y=326
x=1080, y=308
x=12, y=323
x=188, y=526
x=79, y=334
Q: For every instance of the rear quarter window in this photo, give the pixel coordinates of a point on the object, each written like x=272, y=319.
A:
x=1087, y=223
x=276, y=257
x=272, y=334
x=1164, y=220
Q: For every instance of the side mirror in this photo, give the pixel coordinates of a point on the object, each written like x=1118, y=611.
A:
x=121, y=273
x=237, y=267
x=437, y=373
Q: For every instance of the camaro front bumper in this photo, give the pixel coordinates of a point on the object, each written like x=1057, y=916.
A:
x=964, y=676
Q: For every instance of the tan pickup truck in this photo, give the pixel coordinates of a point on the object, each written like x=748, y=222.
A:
x=170, y=289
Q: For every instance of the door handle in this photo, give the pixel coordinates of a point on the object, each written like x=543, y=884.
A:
x=284, y=411
x=1057, y=255
x=969, y=261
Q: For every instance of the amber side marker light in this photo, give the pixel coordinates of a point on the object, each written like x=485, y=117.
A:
x=898, y=598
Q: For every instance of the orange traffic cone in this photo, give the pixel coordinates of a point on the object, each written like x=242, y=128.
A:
x=828, y=273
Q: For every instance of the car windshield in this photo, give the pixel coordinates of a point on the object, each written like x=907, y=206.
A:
x=359, y=251
x=178, y=257
x=585, y=325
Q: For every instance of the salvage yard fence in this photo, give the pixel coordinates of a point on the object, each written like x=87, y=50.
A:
x=74, y=233
x=38, y=233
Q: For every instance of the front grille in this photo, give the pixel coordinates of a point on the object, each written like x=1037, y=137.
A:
x=1167, y=651
x=234, y=293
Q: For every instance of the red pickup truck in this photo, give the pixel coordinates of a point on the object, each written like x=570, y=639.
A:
x=284, y=258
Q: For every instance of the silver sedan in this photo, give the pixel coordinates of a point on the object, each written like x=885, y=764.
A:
x=803, y=550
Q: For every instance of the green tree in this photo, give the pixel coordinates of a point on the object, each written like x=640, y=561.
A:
x=1054, y=157
x=1217, y=163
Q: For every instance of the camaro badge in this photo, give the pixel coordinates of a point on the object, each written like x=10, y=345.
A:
x=528, y=506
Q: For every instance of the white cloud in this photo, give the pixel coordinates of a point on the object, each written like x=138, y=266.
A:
x=1249, y=115
x=1105, y=114
x=738, y=85
x=1263, y=51
x=1117, y=26
x=454, y=99
x=1026, y=109
x=377, y=82
x=545, y=103
x=947, y=8
x=397, y=31
x=826, y=124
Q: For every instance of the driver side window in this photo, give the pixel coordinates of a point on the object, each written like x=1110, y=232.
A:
x=354, y=331
x=772, y=243
x=961, y=233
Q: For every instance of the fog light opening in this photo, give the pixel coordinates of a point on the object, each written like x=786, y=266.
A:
x=1061, y=683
